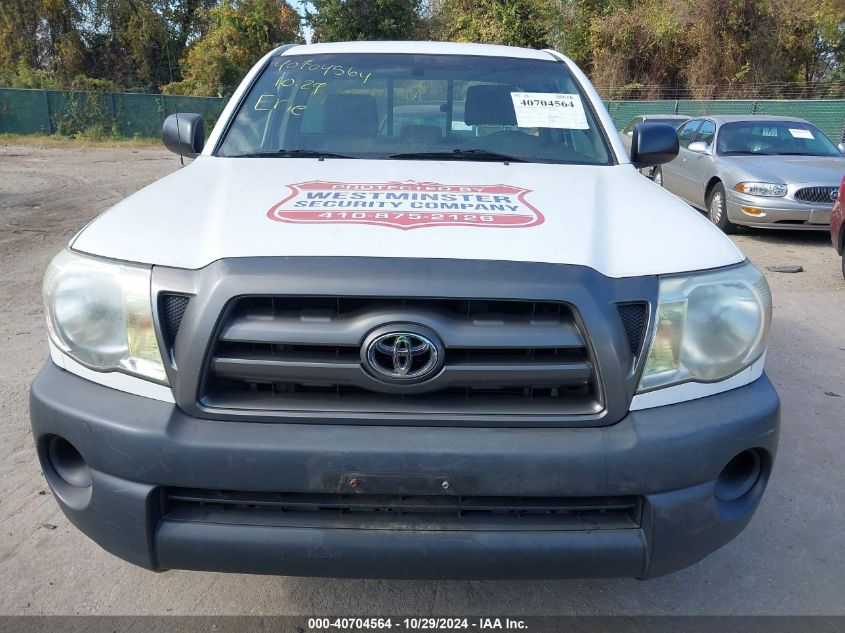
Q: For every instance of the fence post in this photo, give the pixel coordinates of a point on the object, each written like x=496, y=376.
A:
x=112, y=111
x=753, y=107
x=675, y=109
x=47, y=110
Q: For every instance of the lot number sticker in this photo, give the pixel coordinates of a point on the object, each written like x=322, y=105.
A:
x=549, y=109
x=800, y=133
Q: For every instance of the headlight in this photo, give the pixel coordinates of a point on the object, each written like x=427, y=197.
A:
x=99, y=314
x=768, y=189
x=709, y=326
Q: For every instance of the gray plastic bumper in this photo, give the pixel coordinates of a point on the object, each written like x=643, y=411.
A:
x=669, y=456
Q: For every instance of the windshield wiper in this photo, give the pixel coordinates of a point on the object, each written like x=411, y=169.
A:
x=458, y=154
x=290, y=153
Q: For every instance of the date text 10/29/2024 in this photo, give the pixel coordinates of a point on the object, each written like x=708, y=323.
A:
x=416, y=624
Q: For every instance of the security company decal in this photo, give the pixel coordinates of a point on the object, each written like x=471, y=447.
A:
x=406, y=205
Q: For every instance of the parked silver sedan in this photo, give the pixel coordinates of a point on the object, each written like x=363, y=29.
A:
x=627, y=133
x=767, y=172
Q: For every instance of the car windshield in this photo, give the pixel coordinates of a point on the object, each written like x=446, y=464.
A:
x=439, y=107
x=782, y=138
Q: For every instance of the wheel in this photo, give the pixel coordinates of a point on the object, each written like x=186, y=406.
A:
x=657, y=176
x=843, y=264
x=717, y=209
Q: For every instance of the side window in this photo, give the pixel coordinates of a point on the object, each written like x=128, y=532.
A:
x=687, y=133
x=706, y=132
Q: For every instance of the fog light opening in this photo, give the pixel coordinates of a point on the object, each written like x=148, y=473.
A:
x=68, y=463
x=739, y=476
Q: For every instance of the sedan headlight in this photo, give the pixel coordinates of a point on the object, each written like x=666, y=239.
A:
x=710, y=326
x=99, y=313
x=767, y=189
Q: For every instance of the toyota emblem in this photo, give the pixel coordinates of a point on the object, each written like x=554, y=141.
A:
x=402, y=354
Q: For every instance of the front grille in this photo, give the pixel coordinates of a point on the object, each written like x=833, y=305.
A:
x=304, y=354
x=816, y=195
x=397, y=512
x=172, y=310
x=634, y=318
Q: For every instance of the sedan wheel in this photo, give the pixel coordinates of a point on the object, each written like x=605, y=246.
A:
x=717, y=209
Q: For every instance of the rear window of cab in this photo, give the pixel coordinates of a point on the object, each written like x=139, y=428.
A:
x=384, y=106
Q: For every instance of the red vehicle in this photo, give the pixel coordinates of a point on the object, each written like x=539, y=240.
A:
x=837, y=224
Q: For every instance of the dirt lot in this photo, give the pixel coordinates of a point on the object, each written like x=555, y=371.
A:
x=790, y=560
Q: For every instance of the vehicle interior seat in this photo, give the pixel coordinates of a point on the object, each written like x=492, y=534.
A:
x=489, y=104
x=347, y=114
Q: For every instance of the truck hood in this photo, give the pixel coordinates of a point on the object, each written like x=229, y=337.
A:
x=607, y=218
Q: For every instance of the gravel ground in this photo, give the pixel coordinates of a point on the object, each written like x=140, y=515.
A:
x=790, y=560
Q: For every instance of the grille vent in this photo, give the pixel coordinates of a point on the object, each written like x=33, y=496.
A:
x=816, y=195
x=303, y=353
x=634, y=317
x=172, y=310
x=402, y=512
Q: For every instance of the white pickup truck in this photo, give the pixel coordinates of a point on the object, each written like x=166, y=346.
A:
x=410, y=312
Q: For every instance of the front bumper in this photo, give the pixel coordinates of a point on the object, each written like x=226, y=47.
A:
x=777, y=213
x=669, y=457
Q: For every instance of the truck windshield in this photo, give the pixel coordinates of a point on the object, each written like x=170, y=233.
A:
x=438, y=107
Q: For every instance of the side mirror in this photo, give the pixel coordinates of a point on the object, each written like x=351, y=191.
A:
x=699, y=147
x=841, y=147
x=653, y=144
x=184, y=134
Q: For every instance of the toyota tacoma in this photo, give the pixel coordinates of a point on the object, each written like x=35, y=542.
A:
x=410, y=312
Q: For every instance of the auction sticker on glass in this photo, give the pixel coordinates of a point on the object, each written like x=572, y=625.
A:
x=549, y=109
x=801, y=133
x=406, y=205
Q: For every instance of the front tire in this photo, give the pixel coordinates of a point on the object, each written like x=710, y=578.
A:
x=717, y=209
x=657, y=176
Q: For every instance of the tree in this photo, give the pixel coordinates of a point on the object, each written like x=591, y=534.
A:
x=42, y=34
x=815, y=41
x=735, y=42
x=526, y=23
x=128, y=41
x=238, y=34
x=641, y=45
x=344, y=20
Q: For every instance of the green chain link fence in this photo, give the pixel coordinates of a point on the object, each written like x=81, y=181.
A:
x=102, y=114
x=129, y=114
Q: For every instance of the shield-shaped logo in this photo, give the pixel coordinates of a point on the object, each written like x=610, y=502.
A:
x=406, y=205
